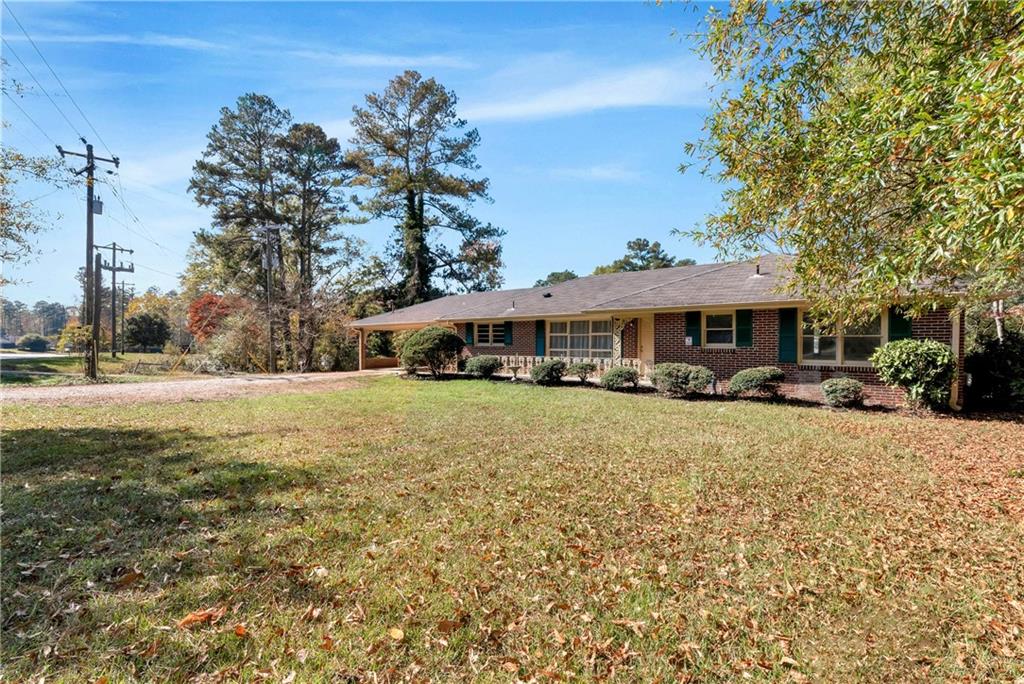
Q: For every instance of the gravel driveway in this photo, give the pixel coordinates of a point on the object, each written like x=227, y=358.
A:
x=200, y=389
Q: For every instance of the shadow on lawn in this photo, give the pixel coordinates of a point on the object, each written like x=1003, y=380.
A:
x=85, y=508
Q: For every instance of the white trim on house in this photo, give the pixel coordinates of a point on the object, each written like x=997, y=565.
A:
x=704, y=328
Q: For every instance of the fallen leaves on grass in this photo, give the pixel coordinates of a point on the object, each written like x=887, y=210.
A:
x=201, y=617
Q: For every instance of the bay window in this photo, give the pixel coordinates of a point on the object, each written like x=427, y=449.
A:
x=587, y=339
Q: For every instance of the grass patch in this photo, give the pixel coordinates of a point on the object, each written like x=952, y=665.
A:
x=491, y=531
x=68, y=370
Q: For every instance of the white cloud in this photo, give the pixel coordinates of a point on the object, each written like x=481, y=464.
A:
x=147, y=39
x=321, y=56
x=677, y=84
x=376, y=59
x=598, y=172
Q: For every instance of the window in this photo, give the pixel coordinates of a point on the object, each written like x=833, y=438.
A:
x=852, y=346
x=587, y=339
x=719, y=329
x=490, y=335
x=818, y=343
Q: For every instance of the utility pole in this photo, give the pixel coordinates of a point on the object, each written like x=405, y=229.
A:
x=271, y=234
x=114, y=267
x=124, y=303
x=93, y=359
x=90, y=171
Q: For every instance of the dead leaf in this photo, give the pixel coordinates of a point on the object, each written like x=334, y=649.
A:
x=128, y=578
x=396, y=633
x=240, y=630
x=198, y=617
x=327, y=643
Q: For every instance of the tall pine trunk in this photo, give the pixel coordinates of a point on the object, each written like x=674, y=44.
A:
x=416, y=255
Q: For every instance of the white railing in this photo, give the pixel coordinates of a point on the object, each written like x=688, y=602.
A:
x=523, y=364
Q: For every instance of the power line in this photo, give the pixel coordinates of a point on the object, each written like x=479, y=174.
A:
x=22, y=110
x=45, y=92
x=54, y=73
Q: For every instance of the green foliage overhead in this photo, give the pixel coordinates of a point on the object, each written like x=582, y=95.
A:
x=556, y=277
x=763, y=380
x=924, y=368
x=643, y=255
x=434, y=347
x=879, y=141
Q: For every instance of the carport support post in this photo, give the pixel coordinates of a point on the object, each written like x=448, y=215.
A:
x=362, y=349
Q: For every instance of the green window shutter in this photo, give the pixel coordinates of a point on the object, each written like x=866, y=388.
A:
x=744, y=327
x=787, y=335
x=693, y=326
x=540, y=337
x=507, y=326
x=900, y=327
x=469, y=334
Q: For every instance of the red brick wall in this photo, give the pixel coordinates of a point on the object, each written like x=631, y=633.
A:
x=524, y=341
x=802, y=381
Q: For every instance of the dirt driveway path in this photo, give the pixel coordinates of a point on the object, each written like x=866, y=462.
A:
x=200, y=389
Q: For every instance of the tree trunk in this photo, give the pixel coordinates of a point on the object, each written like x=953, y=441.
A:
x=415, y=257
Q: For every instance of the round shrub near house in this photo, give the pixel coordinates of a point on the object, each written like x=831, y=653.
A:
x=483, y=366
x=582, y=370
x=620, y=377
x=843, y=392
x=762, y=380
x=925, y=369
x=681, y=379
x=434, y=347
x=548, y=372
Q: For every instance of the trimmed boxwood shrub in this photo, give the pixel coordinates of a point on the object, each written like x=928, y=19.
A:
x=483, y=366
x=763, y=380
x=925, y=369
x=681, y=379
x=582, y=370
x=434, y=347
x=548, y=372
x=843, y=392
x=619, y=377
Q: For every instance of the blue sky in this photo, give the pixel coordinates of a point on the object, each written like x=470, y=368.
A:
x=583, y=110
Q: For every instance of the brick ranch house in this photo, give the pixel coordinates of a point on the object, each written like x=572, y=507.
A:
x=726, y=316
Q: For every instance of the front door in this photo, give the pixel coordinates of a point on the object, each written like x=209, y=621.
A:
x=646, y=342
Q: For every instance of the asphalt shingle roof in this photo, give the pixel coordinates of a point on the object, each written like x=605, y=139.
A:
x=679, y=287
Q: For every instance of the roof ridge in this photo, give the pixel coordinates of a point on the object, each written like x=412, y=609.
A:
x=670, y=282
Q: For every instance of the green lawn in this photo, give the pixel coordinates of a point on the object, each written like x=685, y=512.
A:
x=111, y=369
x=469, y=530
